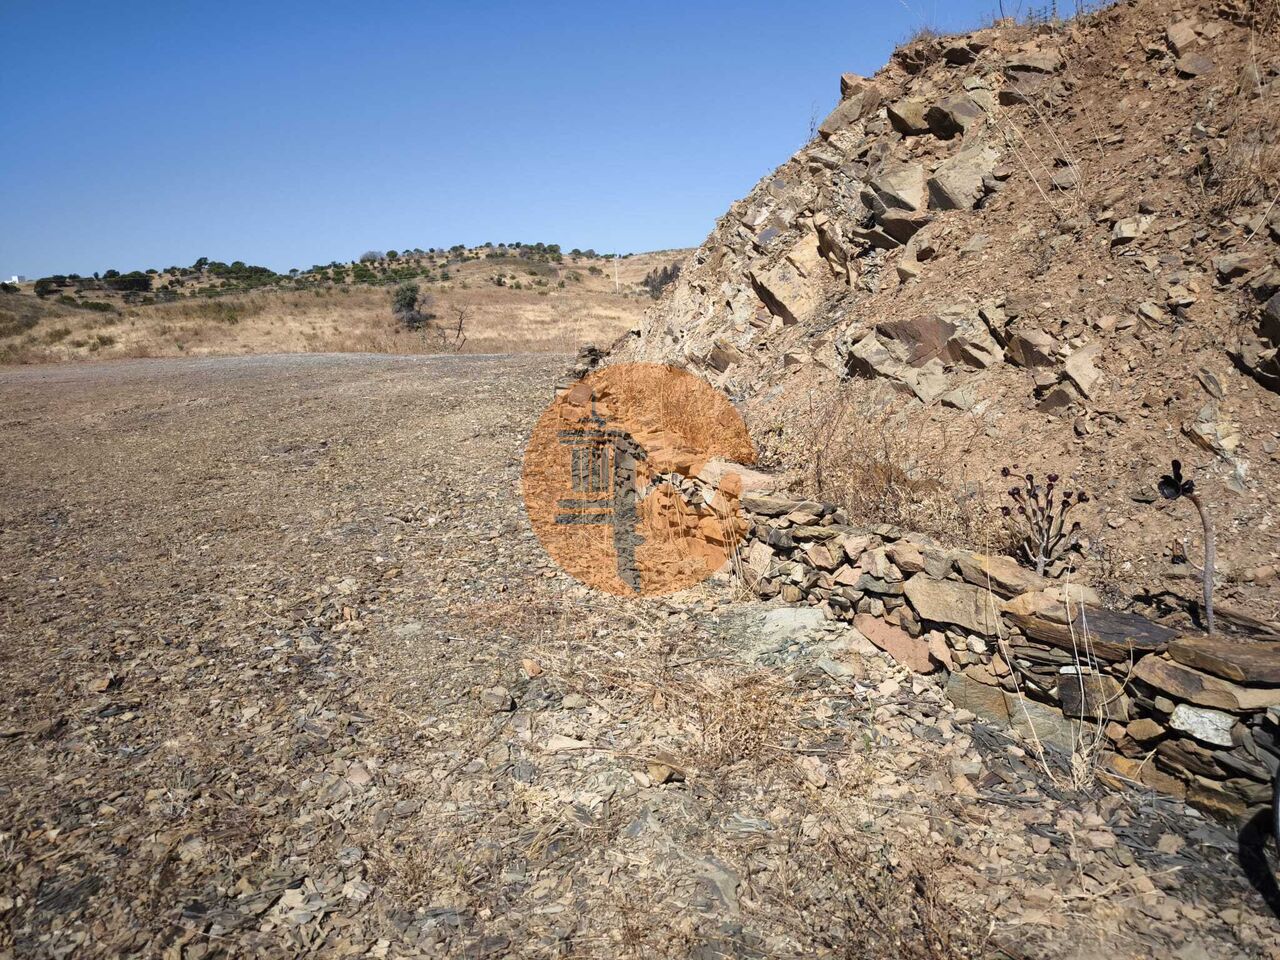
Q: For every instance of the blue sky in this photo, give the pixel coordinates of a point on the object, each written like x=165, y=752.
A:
x=147, y=134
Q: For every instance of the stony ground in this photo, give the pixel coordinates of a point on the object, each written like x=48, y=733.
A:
x=288, y=674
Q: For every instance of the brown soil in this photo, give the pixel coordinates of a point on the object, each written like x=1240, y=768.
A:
x=288, y=674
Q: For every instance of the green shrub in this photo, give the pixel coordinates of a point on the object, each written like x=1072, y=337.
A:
x=135, y=281
x=407, y=303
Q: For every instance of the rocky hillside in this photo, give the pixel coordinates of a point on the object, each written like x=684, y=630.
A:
x=1054, y=246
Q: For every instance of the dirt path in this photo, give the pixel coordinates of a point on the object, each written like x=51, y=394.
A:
x=288, y=673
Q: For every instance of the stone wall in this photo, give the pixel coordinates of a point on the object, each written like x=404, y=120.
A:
x=1191, y=716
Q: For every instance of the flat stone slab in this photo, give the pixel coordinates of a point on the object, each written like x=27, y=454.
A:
x=770, y=506
x=1111, y=635
x=1244, y=661
x=1184, y=683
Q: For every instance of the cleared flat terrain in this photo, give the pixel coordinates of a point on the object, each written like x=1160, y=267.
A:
x=286, y=673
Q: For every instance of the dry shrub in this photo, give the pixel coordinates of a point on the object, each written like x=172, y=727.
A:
x=736, y=718
x=1242, y=168
x=851, y=897
x=882, y=467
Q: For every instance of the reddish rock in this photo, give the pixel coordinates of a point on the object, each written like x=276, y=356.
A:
x=911, y=652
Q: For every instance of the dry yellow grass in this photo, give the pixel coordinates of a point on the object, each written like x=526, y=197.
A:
x=591, y=307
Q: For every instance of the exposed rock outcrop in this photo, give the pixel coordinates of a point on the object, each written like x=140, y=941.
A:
x=1097, y=225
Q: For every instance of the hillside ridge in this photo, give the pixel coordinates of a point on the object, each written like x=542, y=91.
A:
x=1053, y=246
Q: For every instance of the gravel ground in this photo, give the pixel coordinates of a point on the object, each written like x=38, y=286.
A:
x=287, y=673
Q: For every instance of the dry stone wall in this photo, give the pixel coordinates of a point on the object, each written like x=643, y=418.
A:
x=1192, y=716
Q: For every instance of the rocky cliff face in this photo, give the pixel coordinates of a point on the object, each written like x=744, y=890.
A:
x=1063, y=241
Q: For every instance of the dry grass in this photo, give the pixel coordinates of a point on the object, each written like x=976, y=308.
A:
x=1089, y=742
x=1243, y=168
x=867, y=458
x=866, y=898
x=831, y=882
x=589, y=308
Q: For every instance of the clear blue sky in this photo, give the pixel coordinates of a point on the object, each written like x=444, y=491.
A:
x=145, y=134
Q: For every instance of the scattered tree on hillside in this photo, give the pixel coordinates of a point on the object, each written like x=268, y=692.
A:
x=409, y=304
x=371, y=256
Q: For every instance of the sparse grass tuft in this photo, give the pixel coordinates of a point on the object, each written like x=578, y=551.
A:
x=860, y=455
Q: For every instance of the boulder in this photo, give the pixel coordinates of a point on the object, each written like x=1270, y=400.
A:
x=1144, y=729
x=907, y=117
x=1034, y=61
x=874, y=237
x=1242, y=661
x=918, y=340
x=902, y=225
x=735, y=479
x=1270, y=322
x=1209, y=726
x=987, y=703
x=851, y=84
x=1065, y=179
x=1040, y=722
x=1208, y=796
x=1185, y=755
x=1080, y=368
x=906, y=556
x=1004, y=575
x=1229, y=266
x=757, y=562
x=946, y=601
x=1093, y=631
x=1181, y=37
x=1181, y=682
x=1214, y=431
x=792, y=289
x=770, y=506
x=1145, y=772
x=1023, y=87
x=959, y=182
x=929, y=382
x=1128, y=229
x=869, y=357
x=954, y=116
x=1032, y=348
x=1193, y=65
x=1059, y=401
x=1094, y=695
x=963, y=397
x=822, y=556
x=862, y=99
x=723, y=355
x=901, y=186
x=911, y=652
